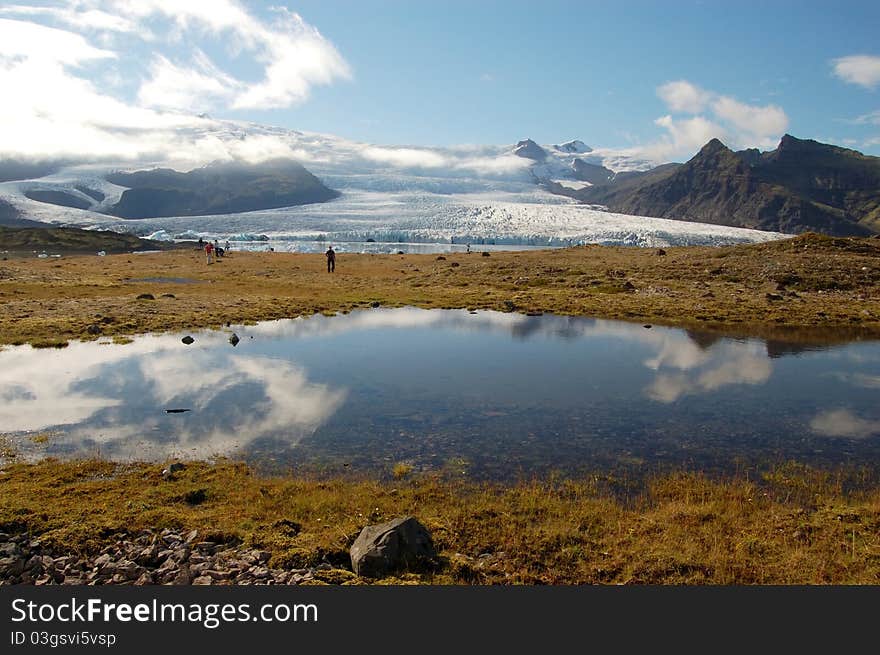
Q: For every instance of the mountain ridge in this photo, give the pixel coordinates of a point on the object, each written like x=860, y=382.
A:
x=802, y=185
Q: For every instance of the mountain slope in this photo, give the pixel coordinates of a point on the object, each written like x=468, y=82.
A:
x=801, y=186
x=217, y=189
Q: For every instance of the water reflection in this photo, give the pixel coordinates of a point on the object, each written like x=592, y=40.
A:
x=844, y=423
x=111, y=400
x=505, y=392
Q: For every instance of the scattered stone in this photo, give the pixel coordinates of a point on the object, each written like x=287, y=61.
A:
x=441, y=258
x=455, y=264
x=168, y=295
x=485, y=254
x=773, y=296
x=94, y=329
x=146, y=296
x=234, y=339
x=375, y=303
x=187, y=340
x=661, y=252
x=399, y=543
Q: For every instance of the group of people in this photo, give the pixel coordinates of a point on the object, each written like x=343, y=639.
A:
x=213, y=251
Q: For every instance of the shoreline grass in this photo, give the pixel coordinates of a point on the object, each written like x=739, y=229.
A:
x=809, y=282
x=795, y=525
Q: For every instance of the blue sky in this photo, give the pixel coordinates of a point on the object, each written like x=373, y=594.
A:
x=659, y=78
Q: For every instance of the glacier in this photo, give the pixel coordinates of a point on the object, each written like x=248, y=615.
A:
x=408, y=198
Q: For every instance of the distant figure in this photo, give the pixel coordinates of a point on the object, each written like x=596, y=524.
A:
x=331, y=260
x=218, y=251
x=201, y=243
x=227, y=245
x=469, y=248
x=209, y=252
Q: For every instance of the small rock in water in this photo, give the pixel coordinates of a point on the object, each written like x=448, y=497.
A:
x=188, y=340
x=177, y=411
x=375, y=303
x=647, y=326
x=234, y=339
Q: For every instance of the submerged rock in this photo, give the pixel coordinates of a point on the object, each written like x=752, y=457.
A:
x=234, y=339
x=187, y=340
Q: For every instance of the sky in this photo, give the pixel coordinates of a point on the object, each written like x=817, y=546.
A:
x=121, y=78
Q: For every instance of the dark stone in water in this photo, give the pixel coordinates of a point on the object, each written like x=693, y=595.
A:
x=177, y=411
x=234, y=339
x=647, y=326
x=375, y=303
x=187, y=340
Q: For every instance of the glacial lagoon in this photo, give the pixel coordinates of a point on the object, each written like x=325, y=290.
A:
x=487, y=394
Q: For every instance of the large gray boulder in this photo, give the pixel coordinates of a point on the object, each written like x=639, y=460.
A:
x=402, y=543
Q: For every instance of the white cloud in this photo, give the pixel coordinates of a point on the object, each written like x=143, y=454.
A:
x=90, y=19
x=872, y=118
x=758, y=122
x=843, y=423
x=59, y=98
x=405, y=157
x=23, y=40
x=712, y=115
x=188, y=89
x=683, y=138
x=682, y=96
x=863, y=70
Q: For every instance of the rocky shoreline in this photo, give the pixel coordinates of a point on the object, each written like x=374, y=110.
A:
x=164, y=558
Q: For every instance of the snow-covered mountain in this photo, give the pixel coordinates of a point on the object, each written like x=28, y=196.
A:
x=389, y=194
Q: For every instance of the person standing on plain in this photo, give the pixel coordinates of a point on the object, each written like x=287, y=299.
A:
x=331, y=259
x=209, y=252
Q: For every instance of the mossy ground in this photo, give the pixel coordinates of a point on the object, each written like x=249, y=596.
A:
x=792, y=525
x=809, y=282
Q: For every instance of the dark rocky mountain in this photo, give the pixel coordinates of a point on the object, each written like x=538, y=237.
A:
x=530, y=150
x=77, y=240
x=217, y=189
x=10, y=217
x=55, y=197
x=800, y=186
x=592, y=173
x=20, y=169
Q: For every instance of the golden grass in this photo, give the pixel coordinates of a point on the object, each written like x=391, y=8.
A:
x=794, y=526
x=807, y=282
